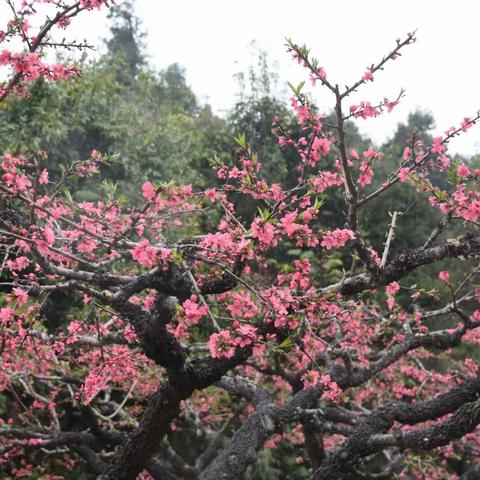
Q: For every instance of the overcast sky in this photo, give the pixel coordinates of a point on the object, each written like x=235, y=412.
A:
x=210, y=38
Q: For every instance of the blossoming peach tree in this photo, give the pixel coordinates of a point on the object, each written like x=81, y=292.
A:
x=189, y=335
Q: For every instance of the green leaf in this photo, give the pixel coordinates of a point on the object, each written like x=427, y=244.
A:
x=179, y=308
x=68, y=196
x=177, y=256
x=296, y=90
x=318, y=203
x=241, y=141
x=287, y=344
x=264, y=214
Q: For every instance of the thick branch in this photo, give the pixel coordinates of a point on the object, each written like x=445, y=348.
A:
x=362, y=441
x=404, y=263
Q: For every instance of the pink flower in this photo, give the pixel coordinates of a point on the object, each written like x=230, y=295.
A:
x=403, y=174
x=22, y=182
x=145, y=254
x=87, y=246
x=211, y=194
x=35, y=441
x=263, y=232
x=337, y=238
x=288, y=223
x=364, y=110
x=466, y=124
x=368, y=75
x=235, y=172
x=391, y=105
x=90, y=4
x=193, y=311
x=366, y=174
x=246, y=334
x=301, y=111
x=393, y=288
x=310, y=378
x=20, y=263
x=463, y=171
x=375, y=256
x=390, y=303
x=438, y=146
x=48, y=235
x=326, y=179
x=407, y=151
x=20, y=295
x=129, y=334
x=444, y=276
x=221, y=345
x=74, y=327
x=43, y=179
x=6, y=314
x=321, y=73
x=321, y=147
x=148, y=191
x=372, y=154
x=243, y=306
x=476, y=315
x=93, y=384
x=332, y=391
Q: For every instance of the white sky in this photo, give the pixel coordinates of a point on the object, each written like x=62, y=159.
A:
x=210, y=38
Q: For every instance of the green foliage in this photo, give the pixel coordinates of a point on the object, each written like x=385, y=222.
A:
x=125, y=45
